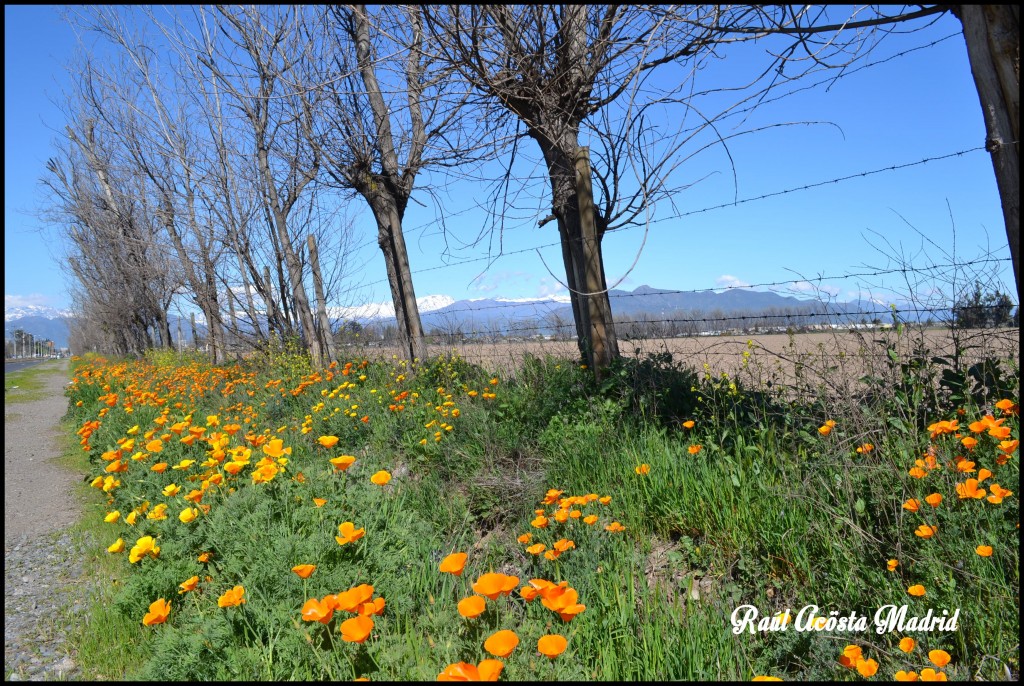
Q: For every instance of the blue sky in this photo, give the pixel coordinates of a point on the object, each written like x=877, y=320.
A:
x=913, y=107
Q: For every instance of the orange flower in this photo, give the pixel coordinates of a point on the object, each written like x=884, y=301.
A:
x=275, y=448
x=357, y=629
x=614, y=527
x=694, y=449
x=454, y=563
x=492, y=585
x=917, y=473
x=642, y=469
x=969, y=489
x=380, y=478
x=303, y=571
x=188, y=585
x=865, y=448
x=536, y=548
x=939, y=658
x=501, y=643
x=867, y=668
x=472, y=607
x=319, y=502
x=969, y=442
x=590, y=519
x=552, y=645
x=891, y=565
x=349, y=533
x=328, y=441
x=906, y=676
x=159, y=467
x=540, y=522
x=943, y=427
x=1007, y=406
x=852, y=654
x=1008, y=446
x=983, y=551
x=158, y=611
x=488, y=670
x=525, y=538
x=317, y=611
x=983, y=474
x=155, y=446
x=929, y=674
x=205, y=557
x=907, y=644
x=353, y=599
x=912, y=504
x=926, y=531
x=916, y=590
x=343, y=462
x=232, y=597
x=688, y=424
x=998, y=493
x=934, y=499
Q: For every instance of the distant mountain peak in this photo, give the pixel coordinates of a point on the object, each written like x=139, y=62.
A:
x=20, y=311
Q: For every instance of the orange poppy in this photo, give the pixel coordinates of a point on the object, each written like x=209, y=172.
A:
x=328, y=441
x=303, y=571
x=349, y=533
x=929, y=674
x=472, y=607
x=907, y=644
x=552, y=645
x=501, y=643
x=317, y=611
x=891, y=565
x=912, y=504
x=934, y=499
x=357, y=629
x=380, y=478
x=492, y=585
x=342, y=462
x=158, y=611
x=917, y=590
x=867, y=668
x=232, y=597
x=926, y=531
x=454, y=563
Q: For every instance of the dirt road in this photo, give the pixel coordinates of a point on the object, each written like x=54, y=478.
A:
x=37, y=492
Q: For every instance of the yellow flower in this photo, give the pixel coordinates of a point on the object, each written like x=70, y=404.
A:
x=188, y=514
x=380, y=478
x=117, y=547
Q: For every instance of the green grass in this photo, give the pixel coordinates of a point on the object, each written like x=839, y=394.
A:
x=26, y=385
x=768, y=512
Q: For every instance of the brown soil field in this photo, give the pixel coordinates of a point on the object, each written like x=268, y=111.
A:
x=831, y=359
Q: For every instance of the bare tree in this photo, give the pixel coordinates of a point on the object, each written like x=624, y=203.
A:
x=552, y=68
x=391, y=115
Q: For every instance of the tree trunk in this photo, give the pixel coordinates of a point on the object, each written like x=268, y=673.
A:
x=392, y=243
x=992, y=34
x=602, y=329
x=326, y=335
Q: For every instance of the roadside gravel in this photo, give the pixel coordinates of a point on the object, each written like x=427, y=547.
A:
x=43, y=580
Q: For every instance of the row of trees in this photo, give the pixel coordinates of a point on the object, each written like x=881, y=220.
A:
x=211, y=153
x=24, y=344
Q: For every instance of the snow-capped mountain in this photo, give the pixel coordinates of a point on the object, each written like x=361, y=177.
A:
x=385, y=310
x=12, y=313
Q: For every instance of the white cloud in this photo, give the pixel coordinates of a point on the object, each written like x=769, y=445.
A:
x=730, y=281
x=33, y=299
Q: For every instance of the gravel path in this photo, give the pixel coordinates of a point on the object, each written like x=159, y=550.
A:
x=42, y=568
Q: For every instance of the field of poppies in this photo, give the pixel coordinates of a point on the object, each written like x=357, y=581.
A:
x=371, y=521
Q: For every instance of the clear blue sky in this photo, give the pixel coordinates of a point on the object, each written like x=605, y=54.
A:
x=913, y=107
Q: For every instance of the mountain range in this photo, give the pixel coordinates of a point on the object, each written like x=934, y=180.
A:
x=441, y=313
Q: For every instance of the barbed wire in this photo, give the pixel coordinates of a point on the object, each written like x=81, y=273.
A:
x=710, y=208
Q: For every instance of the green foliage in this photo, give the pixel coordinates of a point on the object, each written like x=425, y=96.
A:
x=752, y=504
x=979, y=309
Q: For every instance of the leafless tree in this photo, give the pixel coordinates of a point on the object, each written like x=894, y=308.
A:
x=390, y=115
